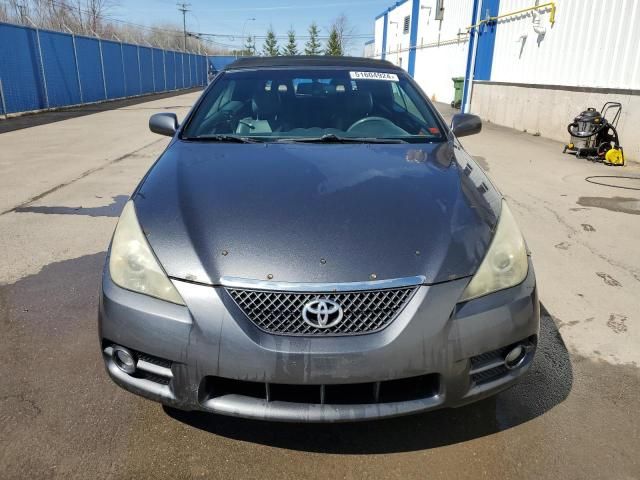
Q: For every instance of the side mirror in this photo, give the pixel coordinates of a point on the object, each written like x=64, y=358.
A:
x=164, y=124
x=463, y=124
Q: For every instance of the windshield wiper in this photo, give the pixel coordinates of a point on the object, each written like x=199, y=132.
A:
x=332, y=138
x=223, y=138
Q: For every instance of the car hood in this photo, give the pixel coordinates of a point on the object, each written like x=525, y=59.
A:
x=317, y=213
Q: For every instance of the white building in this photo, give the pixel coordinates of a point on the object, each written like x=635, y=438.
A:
x=534, y=64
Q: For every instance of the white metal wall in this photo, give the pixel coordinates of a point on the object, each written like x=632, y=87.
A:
x=442, y=48
x=397, y=41
x=378, y=35
x=442, y=45
x=593, y=43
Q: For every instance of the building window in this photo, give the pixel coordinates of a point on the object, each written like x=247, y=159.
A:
x=439, y=9
x=407, y=21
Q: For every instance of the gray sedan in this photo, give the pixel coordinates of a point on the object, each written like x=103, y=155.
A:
x=315, y=245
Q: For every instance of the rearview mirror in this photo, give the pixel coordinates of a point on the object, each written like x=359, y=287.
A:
x=463, y=124
x=164, y=124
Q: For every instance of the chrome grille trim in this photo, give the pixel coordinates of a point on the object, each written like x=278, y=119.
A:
x=245, y=283
x=280, y=312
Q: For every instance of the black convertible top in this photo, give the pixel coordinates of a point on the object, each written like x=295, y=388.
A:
x=310, y=61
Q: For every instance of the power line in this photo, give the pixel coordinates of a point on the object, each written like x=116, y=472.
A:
x=355, y=36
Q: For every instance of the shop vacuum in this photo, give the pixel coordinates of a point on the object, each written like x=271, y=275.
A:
x=594, y=137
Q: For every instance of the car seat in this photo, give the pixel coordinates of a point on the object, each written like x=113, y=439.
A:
x=265, y=107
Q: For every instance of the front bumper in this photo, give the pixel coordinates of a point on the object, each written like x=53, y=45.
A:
x=210, y=357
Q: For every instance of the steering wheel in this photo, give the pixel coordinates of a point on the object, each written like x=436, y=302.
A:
x=365, y=120
x=379, y=124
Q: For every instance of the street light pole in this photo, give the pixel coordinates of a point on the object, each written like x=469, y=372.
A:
x=243, y=28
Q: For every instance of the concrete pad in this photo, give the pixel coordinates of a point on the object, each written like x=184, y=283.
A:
x=38, y=159
x=574, y=415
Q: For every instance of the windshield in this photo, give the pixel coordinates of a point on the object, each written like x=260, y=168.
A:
x=308, y=104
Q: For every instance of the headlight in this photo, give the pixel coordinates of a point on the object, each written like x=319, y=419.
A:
x=133, y=265
x=505, y=264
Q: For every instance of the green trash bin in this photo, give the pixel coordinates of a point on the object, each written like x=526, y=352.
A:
x=458, y=86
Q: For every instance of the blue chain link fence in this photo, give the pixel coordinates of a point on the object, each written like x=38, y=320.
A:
x=41, y=69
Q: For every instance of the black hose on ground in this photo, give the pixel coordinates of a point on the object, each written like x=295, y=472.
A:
x=590, y=180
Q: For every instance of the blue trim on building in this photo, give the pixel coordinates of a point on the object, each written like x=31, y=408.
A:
x=384, y=35
x=392, y=7
x=472, y=41
x=486, y=41
x=413, y=37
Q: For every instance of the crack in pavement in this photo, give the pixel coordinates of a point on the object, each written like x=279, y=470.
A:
x=80, y=177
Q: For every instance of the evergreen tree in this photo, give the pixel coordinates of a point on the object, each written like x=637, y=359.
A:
x=250, y=46
x=334, y=46
x=270, y=47
x=292, y=46
x=313, y=47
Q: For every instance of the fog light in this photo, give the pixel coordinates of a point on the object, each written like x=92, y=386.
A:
x=515, y=357
x=124, y=360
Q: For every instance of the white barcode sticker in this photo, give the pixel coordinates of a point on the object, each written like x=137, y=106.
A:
x=388, y=77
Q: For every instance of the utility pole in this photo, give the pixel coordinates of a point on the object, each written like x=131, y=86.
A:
x=182, y=7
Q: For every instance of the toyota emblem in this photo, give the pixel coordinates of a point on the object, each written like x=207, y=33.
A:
x=322, y=313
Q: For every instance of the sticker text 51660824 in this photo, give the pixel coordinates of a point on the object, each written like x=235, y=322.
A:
x=388, y=77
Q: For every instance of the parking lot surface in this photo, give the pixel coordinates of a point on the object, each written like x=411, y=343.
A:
x=575, y=415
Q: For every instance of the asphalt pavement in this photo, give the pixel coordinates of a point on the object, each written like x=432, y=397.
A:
x=574, y=416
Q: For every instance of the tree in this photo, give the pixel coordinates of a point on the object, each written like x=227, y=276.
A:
x=313, y=46
x=250, y=46
x=345, y=32
x=270, y=47
x=4, y=15
x=93, y=17
x=292, y=47
x=334, y=47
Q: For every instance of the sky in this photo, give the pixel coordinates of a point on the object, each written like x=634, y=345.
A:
x=231, y=18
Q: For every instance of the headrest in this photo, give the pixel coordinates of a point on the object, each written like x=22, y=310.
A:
x=265, y=105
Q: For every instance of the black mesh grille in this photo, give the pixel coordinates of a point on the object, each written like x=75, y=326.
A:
x=489, y=375
x=364, y=311
x=489, y=357
x=155, y=360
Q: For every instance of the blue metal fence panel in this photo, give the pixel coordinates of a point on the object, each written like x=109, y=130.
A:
x=187, y=69
x=158, y=70
x=179, y=73
x=205, y=67
x=179, y=70
x=194, y=72
x=170, y=68
x=60, y=69
x=43, y=69
x=90, y=69
x=21, y=74
x=146, y=69
x=131, y=69
x=202, y=66
x=221, y=61
x=113, y=69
